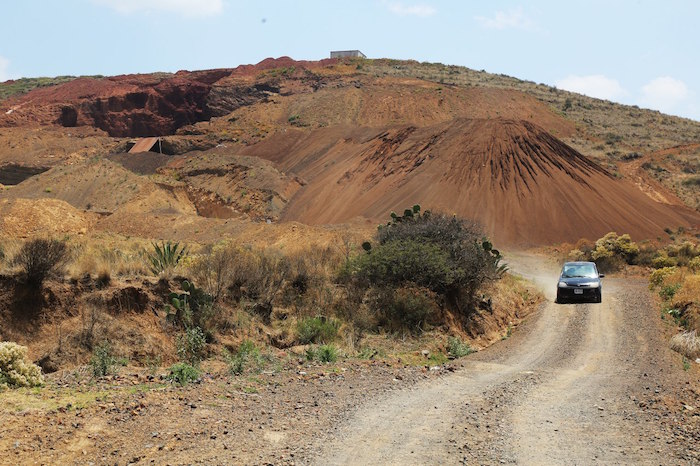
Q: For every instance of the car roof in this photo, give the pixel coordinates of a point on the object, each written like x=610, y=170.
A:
x=579, y=263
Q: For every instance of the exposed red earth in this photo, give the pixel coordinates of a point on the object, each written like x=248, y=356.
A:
x=524, y=185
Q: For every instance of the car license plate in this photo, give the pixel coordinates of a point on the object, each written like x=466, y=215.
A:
x=578, y=291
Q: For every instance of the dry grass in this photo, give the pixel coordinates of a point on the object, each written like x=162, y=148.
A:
x=687, y=344
x=111, y=257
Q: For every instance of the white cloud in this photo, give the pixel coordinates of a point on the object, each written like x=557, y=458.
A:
x=664, y=93
x=421, y=10
x=4, y=65
x=187, y=8
x=596, y=85
x=511, y=19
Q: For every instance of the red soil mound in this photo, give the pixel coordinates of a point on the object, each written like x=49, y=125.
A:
x=141, y=105
x=137, y=105
x=524, y=185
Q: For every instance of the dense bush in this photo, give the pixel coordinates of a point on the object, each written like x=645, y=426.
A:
x=317, y=329
x=407, y=261
x=40, y=258
x=403, y=308
x=191, y=308
x=183, y=373
x=15, y=369
x=612, y=251
x=443, y=254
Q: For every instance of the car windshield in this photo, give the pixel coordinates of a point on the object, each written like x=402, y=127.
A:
x=579, y=271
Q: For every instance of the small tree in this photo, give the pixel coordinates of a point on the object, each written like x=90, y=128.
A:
x=40, y=258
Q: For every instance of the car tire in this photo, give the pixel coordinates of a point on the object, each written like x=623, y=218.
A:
x=559, y=299
x=599, y=297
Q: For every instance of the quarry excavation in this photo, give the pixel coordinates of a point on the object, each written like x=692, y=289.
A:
x=344, y=261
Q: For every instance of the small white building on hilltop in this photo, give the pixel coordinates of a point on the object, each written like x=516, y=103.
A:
x=347, y=53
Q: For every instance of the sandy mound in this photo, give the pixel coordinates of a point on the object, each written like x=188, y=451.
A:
x=96, y=184
x=47, y=217
x=524, y=185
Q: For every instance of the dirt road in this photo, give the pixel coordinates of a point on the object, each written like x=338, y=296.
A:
x=564, y=389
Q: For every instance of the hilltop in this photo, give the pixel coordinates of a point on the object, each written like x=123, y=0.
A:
x=339, y=141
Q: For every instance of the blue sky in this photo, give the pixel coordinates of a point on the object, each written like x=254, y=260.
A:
x=639, y=52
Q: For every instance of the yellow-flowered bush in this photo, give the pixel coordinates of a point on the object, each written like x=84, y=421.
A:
x=15, y=369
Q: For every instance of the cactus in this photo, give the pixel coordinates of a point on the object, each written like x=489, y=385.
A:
x=499, y=269
x=186, y=308
x=367, y=246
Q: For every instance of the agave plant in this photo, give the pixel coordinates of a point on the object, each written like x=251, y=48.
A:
x=165, y=256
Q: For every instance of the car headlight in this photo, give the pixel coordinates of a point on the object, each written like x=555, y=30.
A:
x=593, y=285
x=562, y=284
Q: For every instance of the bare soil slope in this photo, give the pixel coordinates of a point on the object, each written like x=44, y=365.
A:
x=364, y=137
x=524, y=185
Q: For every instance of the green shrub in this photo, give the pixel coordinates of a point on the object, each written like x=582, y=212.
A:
x=455, y=256
x=659, y=276
x=327, y=353
x=40, y=258
x=192, y=308
x=102, y=361
x=692, y=181
x=15, y=368
x=247, y=357
x=662, y=261
x=457, y=348
x=318, y=329
x=425, y=251
x=396, y=263
x=667, y=292
x=165, y=257
x=191, y=345
x=694, y=264
x=612, y=251
x=403, y=308
x=183, y=373
x=323, y=353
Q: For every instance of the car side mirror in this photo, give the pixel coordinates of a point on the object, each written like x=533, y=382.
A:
x=601, y=275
